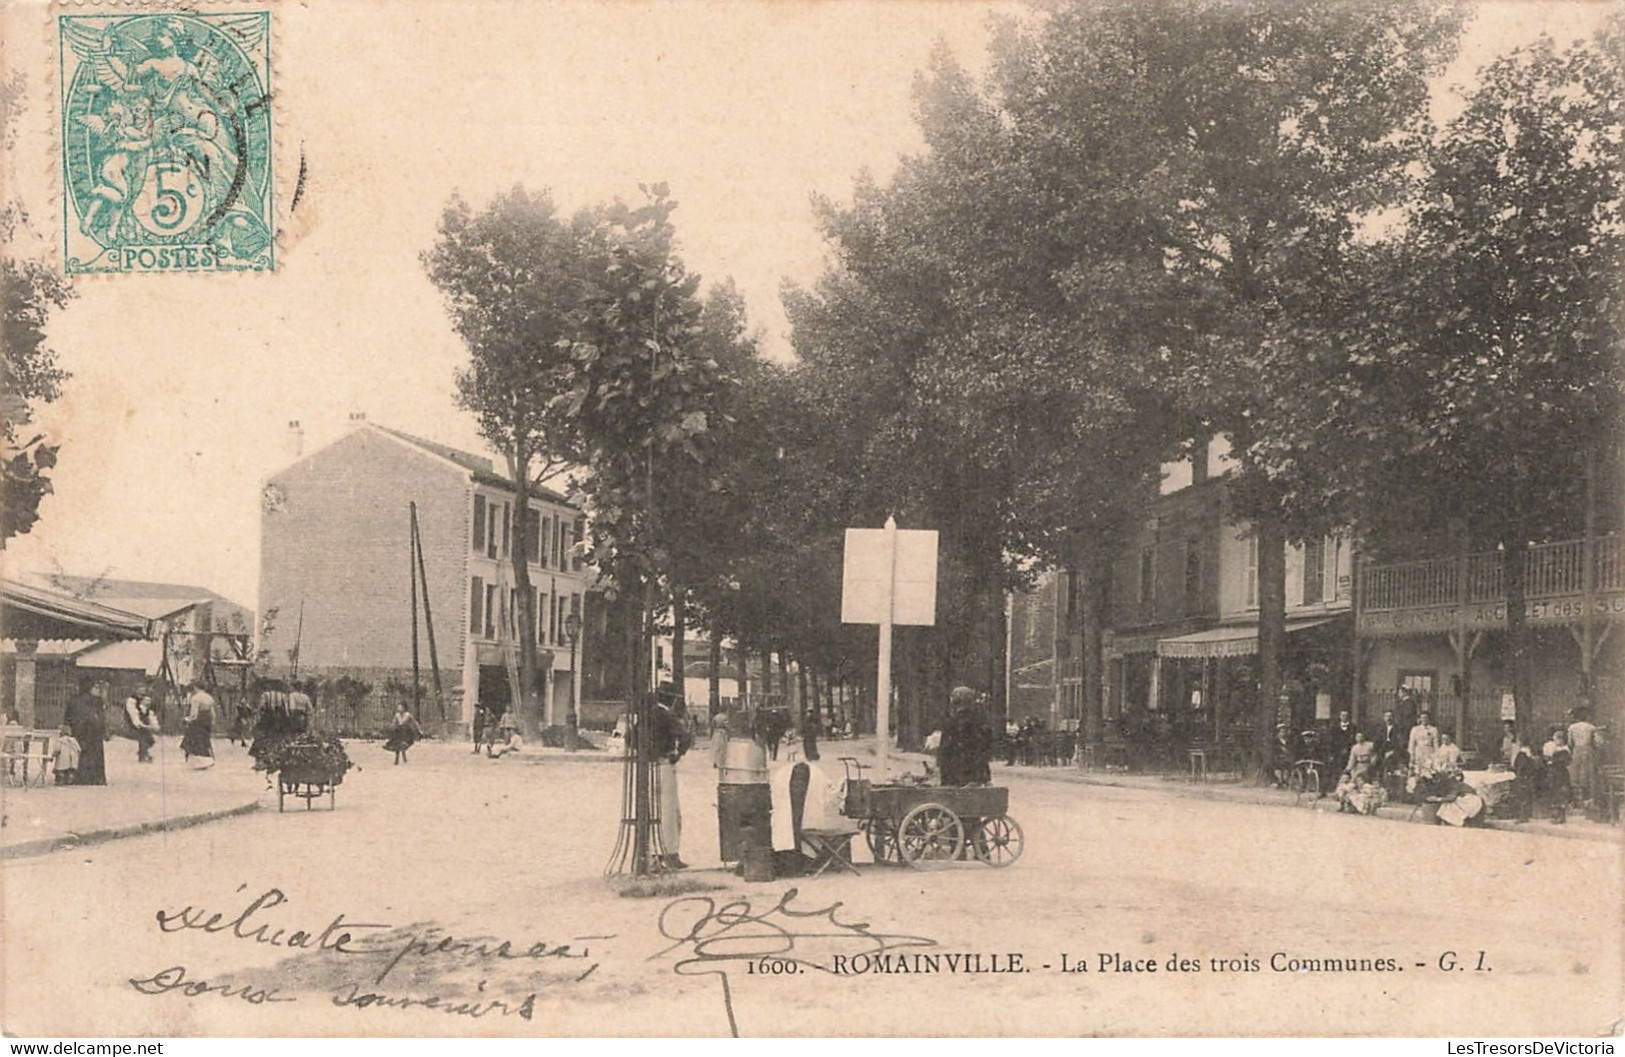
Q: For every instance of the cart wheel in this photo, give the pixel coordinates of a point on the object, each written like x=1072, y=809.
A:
x=881, y=838
x=930, y=835
x=997, y=841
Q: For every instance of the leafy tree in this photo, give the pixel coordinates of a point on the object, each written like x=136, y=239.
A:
x=1225, y=153
x=513, y=285
x=1492, y=336
x=29, y=374
x=640, y=393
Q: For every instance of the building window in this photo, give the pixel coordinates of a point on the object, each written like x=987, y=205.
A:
x=1252, y=572
x=490, y=611
x=541, y=618
x=580, y=536
x=1314, y=571
x=479, y=523
x=533, y=536
x=507, y=529
x=491, y=530
x=1193, y=576
x=476, y=602
x=544, y=526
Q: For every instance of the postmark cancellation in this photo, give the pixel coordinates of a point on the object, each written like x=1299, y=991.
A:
x=166, y=141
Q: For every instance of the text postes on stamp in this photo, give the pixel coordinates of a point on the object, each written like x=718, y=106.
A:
x=166, y=142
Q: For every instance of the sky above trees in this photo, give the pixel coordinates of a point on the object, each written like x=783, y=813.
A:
x=183, y=385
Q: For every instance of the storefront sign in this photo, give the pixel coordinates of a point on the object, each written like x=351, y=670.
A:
x=1487, y=615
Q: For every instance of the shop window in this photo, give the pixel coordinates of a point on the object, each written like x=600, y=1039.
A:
x=1314, y=571
x=533, y=536
x=1418, y=682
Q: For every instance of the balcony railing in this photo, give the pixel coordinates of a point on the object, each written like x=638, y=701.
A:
x=1551, y=570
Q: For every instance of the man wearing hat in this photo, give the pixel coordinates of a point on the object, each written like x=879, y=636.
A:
x=671, y=739
x=966, y=751
x=1283, y=754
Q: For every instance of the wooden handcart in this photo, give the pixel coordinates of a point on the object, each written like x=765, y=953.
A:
x=307, y=783
x=933, y=825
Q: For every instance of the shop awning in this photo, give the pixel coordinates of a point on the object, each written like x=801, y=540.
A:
x=32, y=613
x=1238, y=640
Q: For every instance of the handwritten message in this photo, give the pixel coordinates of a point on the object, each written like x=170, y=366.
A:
x=361, y=964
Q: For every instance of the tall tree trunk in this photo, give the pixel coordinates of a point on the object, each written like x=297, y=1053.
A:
x=679, y=636
x=801, y=691
x=1092, y=572
x=1514, y=558
x=742, y=657
x=714, y=676
x=1271, y=633
x=531, y=719
x=998, y=666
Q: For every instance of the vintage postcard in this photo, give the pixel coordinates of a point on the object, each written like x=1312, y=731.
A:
x=479, y=474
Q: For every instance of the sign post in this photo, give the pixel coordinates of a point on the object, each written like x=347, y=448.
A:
x=889, y=577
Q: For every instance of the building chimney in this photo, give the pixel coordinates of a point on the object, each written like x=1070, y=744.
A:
x=296, y=439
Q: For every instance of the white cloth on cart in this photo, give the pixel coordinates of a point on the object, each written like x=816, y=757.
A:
x=823, y=807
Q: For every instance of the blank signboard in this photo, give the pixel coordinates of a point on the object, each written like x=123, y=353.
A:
x=914, y=577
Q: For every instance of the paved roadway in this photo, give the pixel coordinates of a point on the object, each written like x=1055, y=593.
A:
x=432, y=865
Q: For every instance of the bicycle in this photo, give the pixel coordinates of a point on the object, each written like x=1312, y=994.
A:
x=1305, y=778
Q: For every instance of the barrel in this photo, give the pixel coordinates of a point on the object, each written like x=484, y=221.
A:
x=744, y=819
x=744, y=762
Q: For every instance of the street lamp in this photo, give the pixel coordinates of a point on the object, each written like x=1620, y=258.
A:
x=572, y=631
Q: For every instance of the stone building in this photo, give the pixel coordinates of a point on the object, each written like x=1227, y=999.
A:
x=336, y=591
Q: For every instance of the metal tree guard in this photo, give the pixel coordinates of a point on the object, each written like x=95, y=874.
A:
x=638, y=849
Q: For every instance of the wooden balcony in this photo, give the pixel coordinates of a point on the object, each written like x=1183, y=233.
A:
x=1441, y=593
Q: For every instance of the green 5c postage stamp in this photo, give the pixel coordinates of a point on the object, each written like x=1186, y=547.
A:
x=166, y=142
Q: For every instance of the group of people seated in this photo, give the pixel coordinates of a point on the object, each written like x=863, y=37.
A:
x=1365, y=769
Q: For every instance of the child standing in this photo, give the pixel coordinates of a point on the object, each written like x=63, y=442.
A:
x=67, y=757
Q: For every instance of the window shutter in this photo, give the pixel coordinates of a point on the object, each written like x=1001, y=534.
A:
x=479, y=522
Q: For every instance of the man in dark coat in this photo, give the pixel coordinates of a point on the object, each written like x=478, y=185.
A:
x=966, y=753
x=668, y=728
x=1339, y=741
x=84, y=717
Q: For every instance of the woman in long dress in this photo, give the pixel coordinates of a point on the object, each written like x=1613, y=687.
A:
x=199, y=738
x=84, y=717
x=1583, y=748
x=404, y=730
